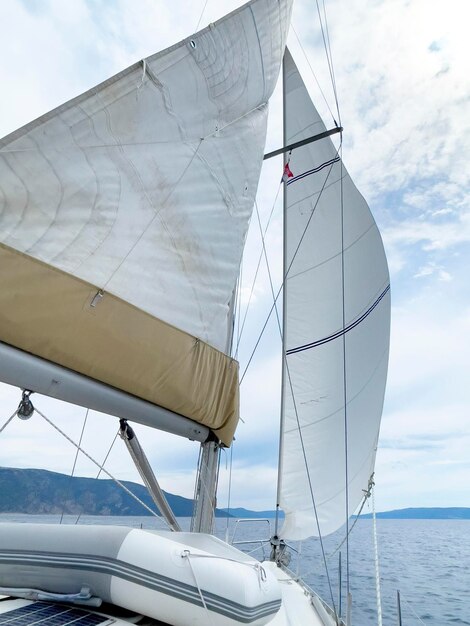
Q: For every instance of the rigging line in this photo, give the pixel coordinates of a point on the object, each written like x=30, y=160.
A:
x=258, y=266
x=307, y=470
x=376, y=555
x=269, y=271
x=8, y=420
x=187, y=554
x=74, y=463
x=157, y=212
x=313, y=74
x=367, y=495
x=238, y=309
x=154, y=217
x=118, y=482
x=413, y=611
x=288, y=269
x=229, y=490
x=328, y=58
x=196, y=482
x=345, y=388
x=102, y=465
x=332, y=64
x=202, y=13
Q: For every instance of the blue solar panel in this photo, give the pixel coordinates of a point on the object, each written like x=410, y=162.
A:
x=43, y=614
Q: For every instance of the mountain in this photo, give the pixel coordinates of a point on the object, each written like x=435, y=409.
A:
x=33, y=491
x=40, y=491
x=246, y=513
x=423, y=513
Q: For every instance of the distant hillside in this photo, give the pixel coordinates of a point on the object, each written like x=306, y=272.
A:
x=35, y=491
x=246, y=513
x=423, y=513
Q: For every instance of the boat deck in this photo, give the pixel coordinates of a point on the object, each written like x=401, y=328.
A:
x=298, y=607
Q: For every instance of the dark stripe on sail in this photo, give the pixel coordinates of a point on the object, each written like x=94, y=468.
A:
x=340, y=333
x=314, y=171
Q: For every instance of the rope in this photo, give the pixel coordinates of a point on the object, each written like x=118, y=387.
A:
x=376, y=557
x=328, y=54
x=118, y=482
x=186, y=554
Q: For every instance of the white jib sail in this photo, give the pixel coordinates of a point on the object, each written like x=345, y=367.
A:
x=143, y=188
x=336, y=331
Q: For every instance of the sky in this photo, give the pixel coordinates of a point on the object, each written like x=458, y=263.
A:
x=401, y=69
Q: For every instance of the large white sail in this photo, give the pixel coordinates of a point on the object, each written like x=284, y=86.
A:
x=123, y=215
x=336, y=330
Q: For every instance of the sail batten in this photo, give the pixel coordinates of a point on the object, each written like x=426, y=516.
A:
x=337, y=321
x=143, y=188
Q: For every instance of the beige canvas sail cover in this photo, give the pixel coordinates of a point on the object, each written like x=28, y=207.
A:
x=336, y=331
x=142, y=189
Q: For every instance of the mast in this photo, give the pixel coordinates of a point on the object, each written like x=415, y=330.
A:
x=208, y=467
x=284, y=306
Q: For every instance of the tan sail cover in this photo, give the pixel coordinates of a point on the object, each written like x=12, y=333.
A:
x=337, y=326
x=142, y=189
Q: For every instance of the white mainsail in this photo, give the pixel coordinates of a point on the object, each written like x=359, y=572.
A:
x=337, y=325
x=123, y=215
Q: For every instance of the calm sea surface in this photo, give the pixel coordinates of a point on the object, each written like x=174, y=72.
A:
x=428, y=561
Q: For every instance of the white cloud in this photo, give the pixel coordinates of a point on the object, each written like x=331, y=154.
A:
x=432, y=269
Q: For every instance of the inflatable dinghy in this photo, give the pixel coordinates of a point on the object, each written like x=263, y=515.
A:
x=167, y=576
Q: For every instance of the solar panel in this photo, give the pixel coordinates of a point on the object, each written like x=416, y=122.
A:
x=43, y=614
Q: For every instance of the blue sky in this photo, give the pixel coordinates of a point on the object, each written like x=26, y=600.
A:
x=401, y=68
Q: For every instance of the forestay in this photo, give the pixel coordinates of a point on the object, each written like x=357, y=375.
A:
x=336, y=330
x=123, y=215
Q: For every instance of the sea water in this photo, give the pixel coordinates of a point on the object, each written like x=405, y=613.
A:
x=428, y=561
